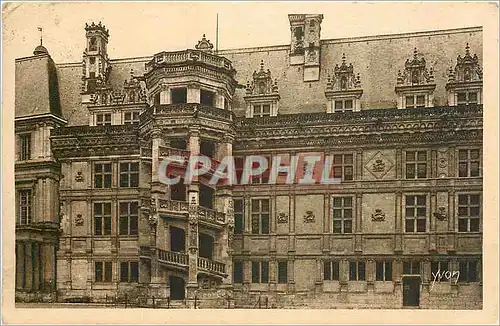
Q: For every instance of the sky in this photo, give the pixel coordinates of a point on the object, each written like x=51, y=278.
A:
x=142, y=29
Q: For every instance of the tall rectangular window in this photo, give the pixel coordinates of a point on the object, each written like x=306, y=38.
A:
x=342, y=215
x=102, y=175
x=178, y=95
x=103, y=271
x=129, y=271
x=129, y=217
x=24, y=200
x=468, y=271
x=103, y=119
x=237, y=271
x=357, y=271
x=411, y=267
x=416, y=164
x=261, y=110
x=468, y=212
x=344, y=105
x=331, y=270
x=24, y=147
x=415, y=101
x=264, y=176
x=239, y=216
x=416, y=213
x=282, y=272
x=131, y=117
x=102, y=218
x=384, y=271
x=468, y=163
x=260, y=216
x=342, y=167
x=438, y=268
x=129, y=174
x=260, y=272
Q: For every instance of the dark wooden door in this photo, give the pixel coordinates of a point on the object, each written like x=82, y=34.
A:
x=411, y=291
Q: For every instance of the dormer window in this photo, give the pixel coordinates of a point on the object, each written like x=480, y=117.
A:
x=344, y=105
x=415, y=85
x=261, y=110
x=415, y=101
x=103, y=119
x=262, y=94
x=131, y=117
x=343, y=89
x=465, y=82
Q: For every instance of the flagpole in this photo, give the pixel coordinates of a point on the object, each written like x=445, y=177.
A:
x=217, y=35
x=41, y=35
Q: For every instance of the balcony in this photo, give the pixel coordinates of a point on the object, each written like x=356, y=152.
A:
x=164, y=59
x=181, y=261
x=211, y=266
x=175, y=207
x=174, y=259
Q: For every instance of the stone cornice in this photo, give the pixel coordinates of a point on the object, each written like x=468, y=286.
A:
x=380, y=140
x=83, y=141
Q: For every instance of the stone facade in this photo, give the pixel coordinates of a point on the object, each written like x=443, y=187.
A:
x=95, y=221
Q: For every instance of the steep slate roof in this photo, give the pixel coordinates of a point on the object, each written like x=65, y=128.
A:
x=37, y=90
x=376, y=58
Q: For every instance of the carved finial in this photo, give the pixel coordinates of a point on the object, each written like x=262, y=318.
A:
x=343, y=58
x=415, y=52
x=467, y=52
x=261, y=65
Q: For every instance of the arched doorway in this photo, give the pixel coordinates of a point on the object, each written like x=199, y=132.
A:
x=177, y=288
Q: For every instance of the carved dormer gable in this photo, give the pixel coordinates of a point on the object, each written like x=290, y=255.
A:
x=262, y=83
x=415, y=84
x=134, y=92
x=204, y=45
x=465, y=82
x=343, y=88
x=262, y=95
x=343, y=78
x=415, y=72
x=467, y=68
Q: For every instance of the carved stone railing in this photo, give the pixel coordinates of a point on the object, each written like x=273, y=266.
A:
x=94, y=130
x=191, y=109
x=169, y=58
x=211, y=215
x=211, y=266
x=182, y=207
x=167, y=151
x=173, y=205
x=451, y=112
x=172, y=257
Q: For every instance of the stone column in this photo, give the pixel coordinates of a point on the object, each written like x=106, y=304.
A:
x=272, y=274
x=319, y=275
x=193, y=93
x=165, y=95
x=28, y=270
x=398, y=223
x=194, y=199
x=20, y=263
x=219, y=101
x=291, y=274
x=48, y=267
x=432, y=221
x=358, y=227
x=451, y=220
